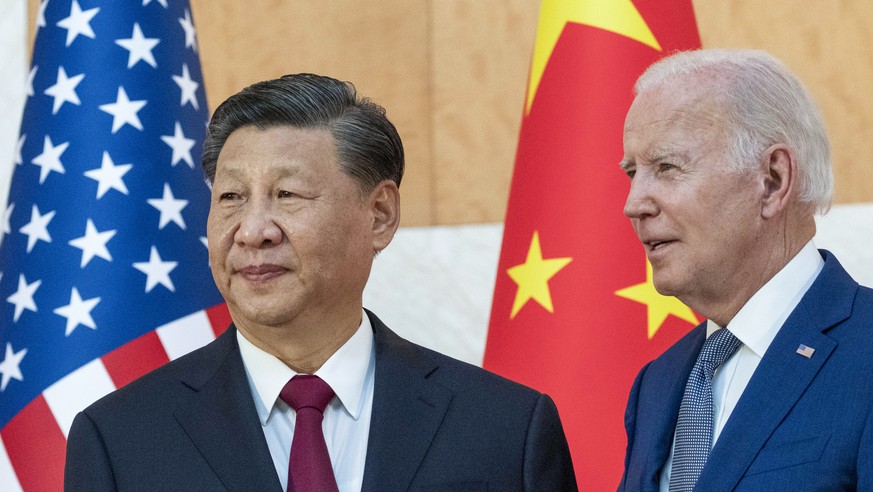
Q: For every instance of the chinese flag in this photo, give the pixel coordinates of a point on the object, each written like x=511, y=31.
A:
x=575, y=314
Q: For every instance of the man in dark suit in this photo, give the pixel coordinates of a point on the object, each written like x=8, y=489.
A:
x=307, y=390
x=729, y=161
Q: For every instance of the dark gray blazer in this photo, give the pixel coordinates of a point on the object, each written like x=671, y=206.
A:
x=437, y=424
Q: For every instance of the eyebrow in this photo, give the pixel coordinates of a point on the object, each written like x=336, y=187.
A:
x=666, y=155
x=657, y=156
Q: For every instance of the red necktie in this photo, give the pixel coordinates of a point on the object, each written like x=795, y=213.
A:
x=309, y=468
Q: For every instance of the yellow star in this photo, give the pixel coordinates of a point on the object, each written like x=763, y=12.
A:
x=658, y=306
x=618, y=16
x=533, y=276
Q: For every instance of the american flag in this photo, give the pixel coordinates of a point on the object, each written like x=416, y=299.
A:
x=103, y=264
x=805, y=351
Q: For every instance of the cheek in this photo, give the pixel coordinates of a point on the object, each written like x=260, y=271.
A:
x=219, y=225
x=345, y=247
x=216, y=256
x=212, y=222
x=219, y=238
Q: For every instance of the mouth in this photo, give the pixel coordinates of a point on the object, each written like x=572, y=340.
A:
x=261, y=273
x=657, y=244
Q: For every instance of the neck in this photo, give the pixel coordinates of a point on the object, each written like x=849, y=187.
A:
x=303, y=346
x=762, y=264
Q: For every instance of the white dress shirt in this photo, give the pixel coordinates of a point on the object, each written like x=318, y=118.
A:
x=755, y=325
x=350, y=373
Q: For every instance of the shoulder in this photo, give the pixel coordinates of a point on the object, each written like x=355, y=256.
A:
x=460, y=375
x=862, y=309
x=157, y=390
x=464, y=380
x=487, y=427
x=863, y=303
x=836, y=301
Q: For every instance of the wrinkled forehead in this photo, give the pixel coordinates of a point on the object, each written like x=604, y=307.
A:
x=685, y=105
x=684, y=121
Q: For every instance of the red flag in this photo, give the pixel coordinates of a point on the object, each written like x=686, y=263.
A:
x=575, y=314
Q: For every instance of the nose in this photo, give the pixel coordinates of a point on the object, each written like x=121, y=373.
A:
x=640, y=201
x=258, y=227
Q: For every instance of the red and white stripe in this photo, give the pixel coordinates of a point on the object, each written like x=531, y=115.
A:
x=33, y=443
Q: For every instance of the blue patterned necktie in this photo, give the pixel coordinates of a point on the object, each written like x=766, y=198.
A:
x=694, y=428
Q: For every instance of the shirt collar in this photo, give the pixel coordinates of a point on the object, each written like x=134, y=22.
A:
x=758, y=321
x=345, y=371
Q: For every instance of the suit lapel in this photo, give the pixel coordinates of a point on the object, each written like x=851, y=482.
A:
x=221, y=420
x=781, y=378
x=407, y=411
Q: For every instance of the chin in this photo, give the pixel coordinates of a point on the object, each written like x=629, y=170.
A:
x=665, y=285
x=266, y=314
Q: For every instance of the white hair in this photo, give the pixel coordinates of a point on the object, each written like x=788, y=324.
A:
x=765, y=105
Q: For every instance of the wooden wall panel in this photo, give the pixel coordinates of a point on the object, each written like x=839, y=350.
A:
x=480, y=59
x=452, y=74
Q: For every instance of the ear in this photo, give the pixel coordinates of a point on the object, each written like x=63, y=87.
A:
x=384, y=202
x=780, y=180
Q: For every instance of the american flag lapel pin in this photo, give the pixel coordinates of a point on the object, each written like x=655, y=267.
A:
x=805, y=351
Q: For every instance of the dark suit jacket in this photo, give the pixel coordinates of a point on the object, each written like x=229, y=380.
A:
x=437, y=424
x=801, y=424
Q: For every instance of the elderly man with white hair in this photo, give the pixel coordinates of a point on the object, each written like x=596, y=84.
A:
x=729, y=162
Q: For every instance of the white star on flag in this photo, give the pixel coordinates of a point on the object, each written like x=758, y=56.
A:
x=181, y=146
x=170, y=208
x=10, y=367
x=64, y=90
x=140, y=47
x=93, y=243
x=37, y=228
x=28, y=88
x=188, y=86
x=50, y=159
x=23, y=297
x=190, y=33
x=78, y=312
x=162, y=2
x=40, y=13
x=157, y=271
x=17, y=159
x=123, y=111
x=5, y=225
x=78, y=22
x=109, y=176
